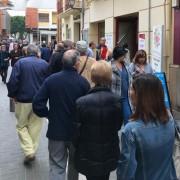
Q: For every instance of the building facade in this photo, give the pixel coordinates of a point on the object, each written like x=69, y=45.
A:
x=151, y=25
x=69, y=20
x=5, y=19
x=41, y=24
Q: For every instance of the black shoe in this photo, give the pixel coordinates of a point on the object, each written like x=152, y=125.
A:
x=28, y=159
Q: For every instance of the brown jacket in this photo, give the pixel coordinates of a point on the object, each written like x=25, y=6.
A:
x=87, y=71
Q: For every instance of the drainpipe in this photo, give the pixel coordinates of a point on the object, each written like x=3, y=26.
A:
x=149, y=30
x=165, y=45
x=82, y=13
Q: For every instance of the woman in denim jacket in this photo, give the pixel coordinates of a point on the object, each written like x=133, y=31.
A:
x=147, y=140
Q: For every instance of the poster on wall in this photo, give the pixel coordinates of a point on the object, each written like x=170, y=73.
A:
x=142, y=42
x=85, y=35
x=157, y=48
x=109, y=40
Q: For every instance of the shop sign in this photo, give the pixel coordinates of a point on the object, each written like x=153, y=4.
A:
x=157, y=48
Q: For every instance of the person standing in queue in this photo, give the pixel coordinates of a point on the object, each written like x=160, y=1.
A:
x=86, y=61
x=4, y=63
x=98, y=122
x=26, y=78
x=15, y=54
x=61, y=89
x=147, y=141
x=121, y=80
x=102, y=50
x=140, y=64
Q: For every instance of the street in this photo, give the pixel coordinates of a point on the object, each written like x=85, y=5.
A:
x=11, y=156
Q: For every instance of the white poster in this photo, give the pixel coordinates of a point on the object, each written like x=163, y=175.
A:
x=109, y=40
x=142, y=42
x=157, y=48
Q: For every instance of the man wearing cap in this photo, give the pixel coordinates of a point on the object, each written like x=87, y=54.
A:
x=85, y=61
x=121, y=80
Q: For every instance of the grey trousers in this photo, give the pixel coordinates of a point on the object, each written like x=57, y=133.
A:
x=61, y=155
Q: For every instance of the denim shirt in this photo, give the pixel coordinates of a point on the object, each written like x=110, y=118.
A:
x=146, y=152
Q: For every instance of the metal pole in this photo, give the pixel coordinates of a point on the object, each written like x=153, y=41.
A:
x=82, y=13
x=149, y=29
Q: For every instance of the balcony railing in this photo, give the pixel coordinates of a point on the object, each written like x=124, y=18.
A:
x=60, y=6
x=66, y=6
x=77, y=5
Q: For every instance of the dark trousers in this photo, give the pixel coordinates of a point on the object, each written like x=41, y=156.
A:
x=105, y=177
x=4, y=74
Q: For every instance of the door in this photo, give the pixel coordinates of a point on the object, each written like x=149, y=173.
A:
x=177, y=36
x=127, y=32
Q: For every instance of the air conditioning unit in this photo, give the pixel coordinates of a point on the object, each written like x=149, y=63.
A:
x=175, y=3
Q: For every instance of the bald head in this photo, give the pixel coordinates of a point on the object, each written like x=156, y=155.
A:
x=70, y=58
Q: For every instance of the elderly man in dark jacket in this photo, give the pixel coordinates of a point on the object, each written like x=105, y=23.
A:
x=45, y=53
x=27, y=76
x=62, y=90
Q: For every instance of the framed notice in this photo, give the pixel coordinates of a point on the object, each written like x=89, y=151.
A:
x=142, y=42
x=162, y=77
x=157, y=48
x=109, y=40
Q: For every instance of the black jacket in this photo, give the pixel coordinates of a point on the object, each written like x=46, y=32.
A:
x=56, y=64
x=98, y=120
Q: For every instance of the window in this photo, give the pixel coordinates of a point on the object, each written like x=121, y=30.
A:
x=43, y=17
x=54, y=18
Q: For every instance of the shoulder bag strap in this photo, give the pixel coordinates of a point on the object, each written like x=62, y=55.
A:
x=82, y=70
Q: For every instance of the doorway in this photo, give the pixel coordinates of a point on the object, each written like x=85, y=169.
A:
x=176, y=37
x=77, y=30
x=44, y=38
x=101, y=29
x=127, y=32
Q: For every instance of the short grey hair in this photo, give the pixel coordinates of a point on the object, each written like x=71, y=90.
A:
x=32, y=50
x=70, y=58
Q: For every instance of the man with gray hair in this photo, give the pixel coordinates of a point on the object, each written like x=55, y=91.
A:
x=26, y=78
x=85, y=61
x=61, y=90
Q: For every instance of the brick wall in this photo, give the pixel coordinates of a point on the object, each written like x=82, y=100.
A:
x=31, y=18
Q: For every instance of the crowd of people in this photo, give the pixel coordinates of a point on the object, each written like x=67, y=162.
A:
x=104, y=112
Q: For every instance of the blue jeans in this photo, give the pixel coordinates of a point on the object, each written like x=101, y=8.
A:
x=126, y=110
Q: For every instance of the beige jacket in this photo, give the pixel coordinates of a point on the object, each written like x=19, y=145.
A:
x=87, y=70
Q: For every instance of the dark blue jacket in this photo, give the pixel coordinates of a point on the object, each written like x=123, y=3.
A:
x=26, y=78
x=45, y=53
x=62, y=90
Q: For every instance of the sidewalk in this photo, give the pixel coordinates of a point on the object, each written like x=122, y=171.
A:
x=176, y=115
x=11, y=156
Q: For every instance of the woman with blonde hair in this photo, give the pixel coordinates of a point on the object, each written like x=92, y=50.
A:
x=98, y=120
